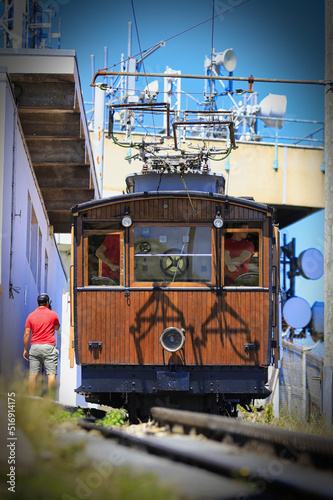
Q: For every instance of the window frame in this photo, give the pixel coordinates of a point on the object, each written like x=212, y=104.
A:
x=104, y=232
x=127, y=256
x=167, y=283
x=257, y=230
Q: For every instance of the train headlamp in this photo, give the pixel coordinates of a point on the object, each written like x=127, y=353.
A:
x=218, y=221
x=126, y=221
x=172, y=339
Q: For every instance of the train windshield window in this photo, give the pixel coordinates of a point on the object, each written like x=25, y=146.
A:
x=173, y=254
x=242, y=256
x=105, y=258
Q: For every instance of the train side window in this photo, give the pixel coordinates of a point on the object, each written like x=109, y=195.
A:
x=242, y=256
x=105, y=258
x=173, y=254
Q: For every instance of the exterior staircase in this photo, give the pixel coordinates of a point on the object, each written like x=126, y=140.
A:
x=51, y=112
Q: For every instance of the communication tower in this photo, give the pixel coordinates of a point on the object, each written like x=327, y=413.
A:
x=28, y=24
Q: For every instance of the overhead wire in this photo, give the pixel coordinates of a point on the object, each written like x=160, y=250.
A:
x=143, y=64
x=194, y=211
x=112, y=135
x=212, y=156
x=212, y=18
x=184, y=31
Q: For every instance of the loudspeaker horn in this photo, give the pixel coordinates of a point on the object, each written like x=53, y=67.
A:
x=227, y=59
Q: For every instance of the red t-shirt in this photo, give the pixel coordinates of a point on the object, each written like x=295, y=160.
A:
x=42, y=322
x=235, y=248
x=112, y=252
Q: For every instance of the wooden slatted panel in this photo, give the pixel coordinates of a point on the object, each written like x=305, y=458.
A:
x=174, y=209
x=130, y=328
x=236, y=212
x=216, y=327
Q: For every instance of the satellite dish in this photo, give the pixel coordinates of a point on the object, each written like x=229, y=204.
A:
x=311, y=264
x=272, y=110
x=297, y=312
x=150, y=91
x=227, y=59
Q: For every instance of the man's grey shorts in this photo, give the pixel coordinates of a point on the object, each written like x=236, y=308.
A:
x=46, y=354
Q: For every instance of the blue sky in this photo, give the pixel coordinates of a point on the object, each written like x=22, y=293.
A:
x=309, y=233
x=272, y=39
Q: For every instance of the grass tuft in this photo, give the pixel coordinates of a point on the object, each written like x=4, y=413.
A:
x=46, y=466
x=315, y=424
x=116, y=417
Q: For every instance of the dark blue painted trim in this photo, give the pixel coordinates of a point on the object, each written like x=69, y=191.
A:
x=199, y=380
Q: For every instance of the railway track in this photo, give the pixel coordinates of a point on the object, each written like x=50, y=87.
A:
x=235, y=459
x=294, y=447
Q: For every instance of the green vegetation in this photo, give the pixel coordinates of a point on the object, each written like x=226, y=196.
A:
x=264, y=415
x=50, y=465
x=115, y=417
x=315, y=424
x=93, y=483
x=56, y=416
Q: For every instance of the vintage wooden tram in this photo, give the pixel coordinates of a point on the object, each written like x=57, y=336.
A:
x=159, y=318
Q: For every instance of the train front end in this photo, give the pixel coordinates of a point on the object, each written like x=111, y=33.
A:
x=175, y=295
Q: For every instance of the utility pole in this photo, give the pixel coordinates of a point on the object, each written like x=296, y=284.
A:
x=328, y=328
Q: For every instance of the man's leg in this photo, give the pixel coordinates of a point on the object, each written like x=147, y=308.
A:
x=52, y=384
x=32, y=383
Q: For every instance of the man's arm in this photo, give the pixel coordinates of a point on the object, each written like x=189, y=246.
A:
x=241, y=258
x=100, y=253
x=26, y=339
x=228, y=264
x=233, y=264
x=227, y=258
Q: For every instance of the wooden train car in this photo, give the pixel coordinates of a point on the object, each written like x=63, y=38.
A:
x=164, y=313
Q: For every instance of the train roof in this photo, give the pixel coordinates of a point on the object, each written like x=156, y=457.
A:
x=243, y=201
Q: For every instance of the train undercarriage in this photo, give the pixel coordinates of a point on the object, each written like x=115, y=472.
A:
x=208, y=389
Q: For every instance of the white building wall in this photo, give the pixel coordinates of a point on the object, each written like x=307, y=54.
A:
x=17, y=184
x=70, y=377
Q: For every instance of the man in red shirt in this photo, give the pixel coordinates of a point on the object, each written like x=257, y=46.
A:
x=41, y=325
x=237, y=254
x=109, y=254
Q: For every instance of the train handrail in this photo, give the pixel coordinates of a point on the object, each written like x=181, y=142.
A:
x=275, y=301
x=71, y=294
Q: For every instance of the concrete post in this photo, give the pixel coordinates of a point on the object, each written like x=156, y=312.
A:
x=328, y=328
x=98, y=145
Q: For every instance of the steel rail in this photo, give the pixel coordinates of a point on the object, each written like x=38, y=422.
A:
x=289, y=443
x=247, y=467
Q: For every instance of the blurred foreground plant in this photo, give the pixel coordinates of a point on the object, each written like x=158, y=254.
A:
x=315, y=424
x=49, y=465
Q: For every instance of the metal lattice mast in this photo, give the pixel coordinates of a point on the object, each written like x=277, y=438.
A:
x=28, y=24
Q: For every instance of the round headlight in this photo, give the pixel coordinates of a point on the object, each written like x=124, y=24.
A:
x=218, y=222
x=172, y=339
x=126, y=221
